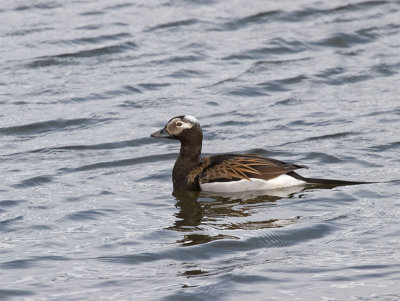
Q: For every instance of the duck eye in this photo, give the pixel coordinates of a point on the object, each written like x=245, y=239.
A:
x=179, y=124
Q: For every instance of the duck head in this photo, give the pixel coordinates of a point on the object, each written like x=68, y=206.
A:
x=185, y=128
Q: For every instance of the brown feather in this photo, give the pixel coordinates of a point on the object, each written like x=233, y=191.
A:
x=191, y=177
x=233, y=167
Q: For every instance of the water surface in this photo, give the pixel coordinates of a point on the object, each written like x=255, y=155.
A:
x=87, y=209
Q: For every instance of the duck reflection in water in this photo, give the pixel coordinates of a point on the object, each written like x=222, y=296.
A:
x=201, y=210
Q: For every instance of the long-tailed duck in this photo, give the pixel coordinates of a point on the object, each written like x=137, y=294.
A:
x=227, y=172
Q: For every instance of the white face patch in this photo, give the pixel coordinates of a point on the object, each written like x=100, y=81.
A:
x=191, y=118
x=177, y=125
x=183, y=124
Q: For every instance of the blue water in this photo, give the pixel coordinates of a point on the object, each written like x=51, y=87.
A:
x=87, y=210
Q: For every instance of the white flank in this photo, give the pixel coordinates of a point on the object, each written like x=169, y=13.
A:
x=191, y=118
x=254, y=184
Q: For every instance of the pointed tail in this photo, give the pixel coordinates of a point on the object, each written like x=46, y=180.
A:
x=326, y=181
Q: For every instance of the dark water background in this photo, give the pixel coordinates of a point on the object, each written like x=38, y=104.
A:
x=86, y=204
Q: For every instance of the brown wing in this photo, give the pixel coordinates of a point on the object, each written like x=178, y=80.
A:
x=234, y=167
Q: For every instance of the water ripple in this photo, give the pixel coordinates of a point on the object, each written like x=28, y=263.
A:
x=332, y=136
x=109, y=94
x=343, y=40
x=11, y=203
x=86, y=215
x=51, y=126
x=384, y=147
x=174, y=24
x=262, y=17
x=219, y=247
x=46, y=5
x=296, y=15
x=34, y=181
x=62, y=59
x=117, y=163
x=26, y=263
x=179, y=59
x=92, y=13
x=99, y=39
x=5, y=224
x=99, y=146
x=276, y=46
x=27, y=31
x=6, y=293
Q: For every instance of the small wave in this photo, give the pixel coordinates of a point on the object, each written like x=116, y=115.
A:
x=109, y=94
x=322, y=157
x=384, y=69
x=276, y=46
x=154, y=86
x=174, y=24
x=353, y=78
x=330, y=72
x=332, y=136
x=293, y=236
x=119, y=6
x=17, y=264
x=40, y=6
x=339, y=75
x=85, y=215
x=282, y=84
x=130, y=259
x=294, y=16
x=346, y=40
x=90, y=27
x=218, y=247
x=178, y=59
x=35, y=181
x=266, y=88
x=5, y=224
x=93, y=40
x=288, y=102
x=307, y=12
x=7, y=293
x=80, y=147
x=92, y=13
x=11, y=203
x=118, y=163
x=51, y=126
x=359, y=6
x=27, y=31
x=262, y=17
x=247, y=91
x=385, y=147
x=27, y=263
x=323, y=122
x=48, y=62
x=60, y=58
x=99, y=146
x=131, y=104
x=186, y=73
x=132, y=89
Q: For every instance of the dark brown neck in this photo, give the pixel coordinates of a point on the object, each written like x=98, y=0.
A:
x=190, y=152
x=189, y=158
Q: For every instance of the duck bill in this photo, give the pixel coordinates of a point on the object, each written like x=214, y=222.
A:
x=163, y=133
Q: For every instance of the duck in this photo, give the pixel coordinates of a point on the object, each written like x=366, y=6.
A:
x=230, y=172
